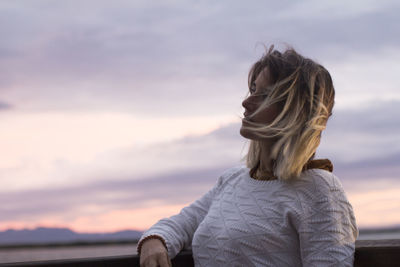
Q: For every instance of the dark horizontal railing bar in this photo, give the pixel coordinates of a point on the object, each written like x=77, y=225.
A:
x=385, y=253
x=376, y=253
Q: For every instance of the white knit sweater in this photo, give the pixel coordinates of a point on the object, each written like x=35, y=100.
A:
x=246, y=222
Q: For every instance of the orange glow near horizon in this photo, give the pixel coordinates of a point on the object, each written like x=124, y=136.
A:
x=376, y=208
x=126, y=219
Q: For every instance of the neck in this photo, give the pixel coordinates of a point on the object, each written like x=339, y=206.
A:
x=265, y=169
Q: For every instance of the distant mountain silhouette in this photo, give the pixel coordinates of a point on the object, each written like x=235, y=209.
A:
x=44, y=235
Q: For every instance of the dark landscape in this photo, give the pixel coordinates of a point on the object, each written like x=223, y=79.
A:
x=52, y=236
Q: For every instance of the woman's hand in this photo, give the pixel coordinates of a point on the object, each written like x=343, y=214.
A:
x=154, y=254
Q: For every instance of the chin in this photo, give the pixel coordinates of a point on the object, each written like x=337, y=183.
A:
x=246, y=133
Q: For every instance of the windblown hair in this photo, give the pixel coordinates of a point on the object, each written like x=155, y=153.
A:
x=304, y=93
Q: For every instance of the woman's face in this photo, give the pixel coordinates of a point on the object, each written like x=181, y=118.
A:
x=258, y=93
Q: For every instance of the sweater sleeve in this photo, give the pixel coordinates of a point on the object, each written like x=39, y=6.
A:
x=327, y=228
x=177, y=231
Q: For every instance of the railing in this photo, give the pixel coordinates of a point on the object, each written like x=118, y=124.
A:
x=368, y=253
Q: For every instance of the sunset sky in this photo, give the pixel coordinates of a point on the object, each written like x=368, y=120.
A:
x=114, y=114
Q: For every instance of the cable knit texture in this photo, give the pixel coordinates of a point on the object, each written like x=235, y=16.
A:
x=246, y=222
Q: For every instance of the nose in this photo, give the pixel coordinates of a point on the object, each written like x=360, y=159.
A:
x=245, y=103
x=249, y=104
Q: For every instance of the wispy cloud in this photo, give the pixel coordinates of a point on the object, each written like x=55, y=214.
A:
x=172, y=188
x=5, y=106
x=368, y=133
x=46, y=150
x=120, y=56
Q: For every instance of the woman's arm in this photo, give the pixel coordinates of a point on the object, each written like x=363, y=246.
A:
x=327, y=229
x=177, y=231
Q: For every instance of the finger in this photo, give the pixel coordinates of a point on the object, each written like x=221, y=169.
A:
x=149, y=263
x=164, y=260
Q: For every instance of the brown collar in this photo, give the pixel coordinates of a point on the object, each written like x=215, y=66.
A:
x=324, y=164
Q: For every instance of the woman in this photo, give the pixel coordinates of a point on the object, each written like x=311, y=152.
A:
x=284, y=208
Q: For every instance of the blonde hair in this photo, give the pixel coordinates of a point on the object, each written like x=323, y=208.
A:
x=304, y=92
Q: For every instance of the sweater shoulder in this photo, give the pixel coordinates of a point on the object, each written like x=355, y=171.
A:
x=320, y=180
x=321, y=194
x=316, y=184
x=230, y=174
